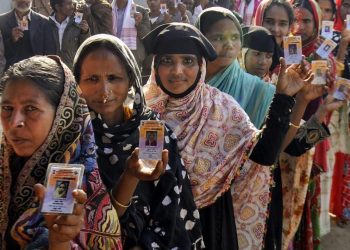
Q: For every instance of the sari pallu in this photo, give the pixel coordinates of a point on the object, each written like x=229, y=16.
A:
x=215, y=144
x=252, y=93
x=70, y=140
x=162, y=214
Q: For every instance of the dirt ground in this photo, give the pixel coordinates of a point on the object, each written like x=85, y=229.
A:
x=337, y=239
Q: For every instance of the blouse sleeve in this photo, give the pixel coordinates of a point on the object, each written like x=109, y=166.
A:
x=277, y=123
x=308, y=135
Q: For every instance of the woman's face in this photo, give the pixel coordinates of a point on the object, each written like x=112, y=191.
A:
x=277, y=22
x=327, y=11
x=304, y=24
x=104, y=82
x=26, y=116
x=178, y=72
x=258, y=63
x=225, y=38
x=345, y=9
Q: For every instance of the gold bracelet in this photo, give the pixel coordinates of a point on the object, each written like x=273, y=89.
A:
x=116, y=203
x=293, y=125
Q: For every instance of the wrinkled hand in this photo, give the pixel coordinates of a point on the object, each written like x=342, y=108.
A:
x=345, y=35
x=294, y=78
x=16, y=34
x=136, y=168
x=84, y=26
x=64, y=228
x=330, y=104
x=311, y=91
x=138, y=18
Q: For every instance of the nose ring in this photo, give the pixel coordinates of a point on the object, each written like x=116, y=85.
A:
x=20, y=124
x=106, y=97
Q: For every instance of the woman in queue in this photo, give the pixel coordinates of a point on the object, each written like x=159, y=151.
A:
x=46, y=121
x=223, y=152
x=162, y=213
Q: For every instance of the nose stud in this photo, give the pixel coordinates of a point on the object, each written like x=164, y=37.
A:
x=106, y=96
x=20, y=124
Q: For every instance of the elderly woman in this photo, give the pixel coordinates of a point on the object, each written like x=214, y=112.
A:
x=223, y=30
x=46, y=121
x=162, y=214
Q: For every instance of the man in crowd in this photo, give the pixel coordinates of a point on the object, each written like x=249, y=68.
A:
x=179, y=12
x=156, y=17
x=2, y=55
x=68, y=31
x=25, y=33
x=98, y=14
x=130, y=24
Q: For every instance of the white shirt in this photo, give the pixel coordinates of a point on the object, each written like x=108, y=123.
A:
x=61, y=28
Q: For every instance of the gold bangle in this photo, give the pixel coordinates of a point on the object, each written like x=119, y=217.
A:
x=116, y=203
x=293, y=125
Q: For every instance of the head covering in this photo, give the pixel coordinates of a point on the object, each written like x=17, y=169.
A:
x=312, y=6
x=156, y=205
x=70, y=140
x=178, y=38
x=260, y=39
x=338, y=21
x=212, y=15
x=252, y=93
x=214, y=138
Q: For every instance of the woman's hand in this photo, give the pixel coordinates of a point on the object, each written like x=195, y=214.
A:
x=136, y=168
x=292, y=79
x=330, y=104
x=64, y=228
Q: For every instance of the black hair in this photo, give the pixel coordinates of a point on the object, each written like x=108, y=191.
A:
x=96, y=45
x=334, y=7
x=285, y=5
x=43, y=71
x=54, y=2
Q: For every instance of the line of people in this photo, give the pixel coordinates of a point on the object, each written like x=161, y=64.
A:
x=239, y=169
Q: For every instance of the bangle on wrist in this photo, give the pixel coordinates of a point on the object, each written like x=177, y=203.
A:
x=116, y=203
x=293, y=125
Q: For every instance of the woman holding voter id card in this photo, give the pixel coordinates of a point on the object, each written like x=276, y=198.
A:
x=223, y=152
x=162, y=214
x=46, y=121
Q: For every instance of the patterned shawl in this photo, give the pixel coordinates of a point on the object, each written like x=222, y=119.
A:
x=253, y=94
x=163, y=213
x=70, y=140
x=215, y=138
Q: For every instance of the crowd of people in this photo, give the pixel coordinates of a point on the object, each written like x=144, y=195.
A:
x=256, y=156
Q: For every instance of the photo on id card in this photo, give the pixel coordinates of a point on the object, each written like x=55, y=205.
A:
x=319, y=68
x=78, y=17
x=342, y=87
x=151, y=140
x=292, y=49
x=327, y=29
x=61, y=180
x=326, y=48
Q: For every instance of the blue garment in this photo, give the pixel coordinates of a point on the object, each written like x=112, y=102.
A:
x=120, y=20
x=252, y=93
